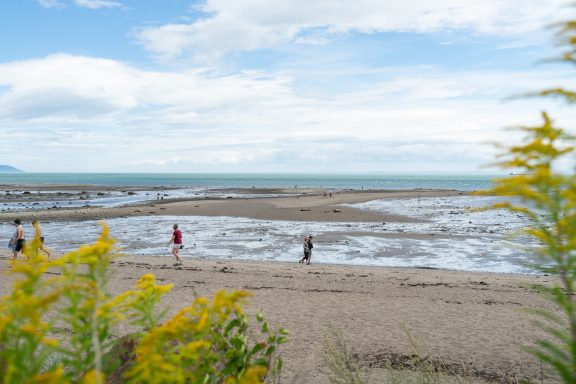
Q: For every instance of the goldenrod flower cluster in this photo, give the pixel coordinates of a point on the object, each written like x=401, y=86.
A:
x=56, y=326
x=547, y=199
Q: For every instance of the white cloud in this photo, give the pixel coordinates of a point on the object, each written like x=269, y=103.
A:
x=51, y=4
x=77, y=113
x=97, y=4
x=245, y=25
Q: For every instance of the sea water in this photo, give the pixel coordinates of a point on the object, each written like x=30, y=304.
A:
x=450, y=236
x=257, y=180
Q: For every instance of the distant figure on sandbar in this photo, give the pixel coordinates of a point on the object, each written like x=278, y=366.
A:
x=307, y=250
x=38, y=228
x=176, y=240
x=17, y=241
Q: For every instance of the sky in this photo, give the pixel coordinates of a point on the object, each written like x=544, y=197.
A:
x=315, y=86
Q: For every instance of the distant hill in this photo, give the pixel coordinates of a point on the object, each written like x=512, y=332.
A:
x=9, y=169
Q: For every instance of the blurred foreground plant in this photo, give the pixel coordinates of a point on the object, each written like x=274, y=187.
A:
x=548, y=200
x=56, y=327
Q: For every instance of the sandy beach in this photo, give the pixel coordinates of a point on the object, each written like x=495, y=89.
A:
x=293, y=205
x=474, y=323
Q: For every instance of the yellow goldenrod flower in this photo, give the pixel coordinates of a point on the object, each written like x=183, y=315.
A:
x=253, y=375
x=50, y=342
x=53, y=377
x=93, y=377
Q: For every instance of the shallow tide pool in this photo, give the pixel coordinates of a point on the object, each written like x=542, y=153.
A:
x=451, y=236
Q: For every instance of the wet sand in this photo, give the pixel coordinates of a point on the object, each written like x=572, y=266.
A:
x=308, y=205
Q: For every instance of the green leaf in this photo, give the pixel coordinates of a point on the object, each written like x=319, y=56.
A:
x=259, y=316
x=231, y=325
x=261, y=362
x=257, y=348
x=270, y=350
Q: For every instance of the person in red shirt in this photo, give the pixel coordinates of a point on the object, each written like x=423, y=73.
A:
x=176, y=240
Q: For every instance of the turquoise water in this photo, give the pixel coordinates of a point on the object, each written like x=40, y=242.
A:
x=459, y=182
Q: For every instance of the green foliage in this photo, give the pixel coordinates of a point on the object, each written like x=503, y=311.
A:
x=57, y=327
x=207, y=343
x=567, y=37
x=548, y=200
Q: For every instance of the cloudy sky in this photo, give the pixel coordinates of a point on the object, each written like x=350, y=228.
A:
x=371, y=86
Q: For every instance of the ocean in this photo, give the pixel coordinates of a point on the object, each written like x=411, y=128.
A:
x=257, y=180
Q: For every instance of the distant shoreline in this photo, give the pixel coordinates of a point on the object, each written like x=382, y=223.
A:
x=8, y=169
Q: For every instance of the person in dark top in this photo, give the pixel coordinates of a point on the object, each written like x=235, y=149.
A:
x=307, y=250
x=176, y=240
x=310, y=246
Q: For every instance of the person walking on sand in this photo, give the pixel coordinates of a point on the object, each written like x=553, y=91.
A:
x=176, y=242
x=38, y=229
x=310, y=246
x=307, y=250
x=17, y=241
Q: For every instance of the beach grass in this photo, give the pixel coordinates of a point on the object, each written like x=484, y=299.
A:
x=344, y=365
